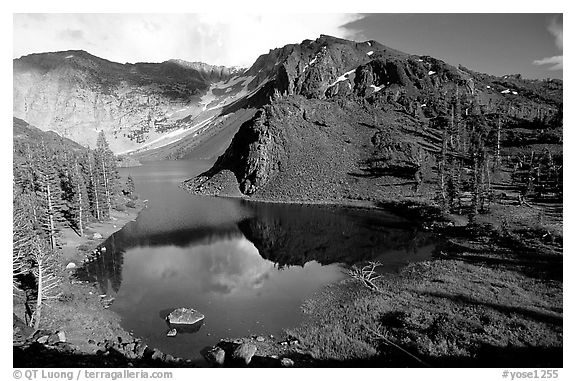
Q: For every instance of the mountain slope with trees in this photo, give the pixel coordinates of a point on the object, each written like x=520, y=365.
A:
x=360, y=121
x=58, y=185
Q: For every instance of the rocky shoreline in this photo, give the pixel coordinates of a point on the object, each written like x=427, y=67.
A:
x=106, y=343
x=80, y=330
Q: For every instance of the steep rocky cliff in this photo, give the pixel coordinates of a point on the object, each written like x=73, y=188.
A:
x=77, y=94
x=348, y=119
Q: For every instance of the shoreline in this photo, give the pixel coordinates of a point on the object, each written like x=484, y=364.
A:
x=308, y=344
x=93, y=334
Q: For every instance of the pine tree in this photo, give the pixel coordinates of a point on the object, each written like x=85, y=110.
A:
x=106, y=167
x=93, y=185
x=47, y=281
x=130, y=188
x=49, y=193
x=80, y=206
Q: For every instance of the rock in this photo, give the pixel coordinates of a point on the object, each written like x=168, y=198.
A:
x=244, y=352
x=42, y=339
x=158, y=355
x=172, y=332
x=215, y=355
x=97, y=236
x=184, y=316
x=140, y=349
x=103, y=249
x=286, y=362
x=70, y=265
x=62, y=336
x=260, y=339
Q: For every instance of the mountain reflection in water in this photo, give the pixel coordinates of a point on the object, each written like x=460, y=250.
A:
x=277, y=235
x=247, y=272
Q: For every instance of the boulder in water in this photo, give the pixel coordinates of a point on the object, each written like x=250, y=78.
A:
x=172, y=332
x=184, y=316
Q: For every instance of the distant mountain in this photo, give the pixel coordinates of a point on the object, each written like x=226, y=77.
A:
x=343, y=119
x=77, y=94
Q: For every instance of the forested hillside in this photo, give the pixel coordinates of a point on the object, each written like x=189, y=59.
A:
x=57, y=185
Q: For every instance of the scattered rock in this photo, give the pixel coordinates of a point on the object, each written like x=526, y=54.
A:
x=244, y=352
x=286, y=362
x=140, y=349
x=172, y=332
x=97, y=236
x=70, y=265
x=108, y=302
x=158, y=355
x=215, y=355
x=184, y=316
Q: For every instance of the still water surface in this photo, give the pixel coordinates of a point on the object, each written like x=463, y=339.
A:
x=246, y=266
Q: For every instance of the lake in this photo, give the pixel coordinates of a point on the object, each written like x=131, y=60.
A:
x=247, y=266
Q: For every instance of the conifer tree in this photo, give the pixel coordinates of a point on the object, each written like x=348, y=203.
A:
x=108, y=173
x=49, y=193
x=80, y=206
x=93, y=185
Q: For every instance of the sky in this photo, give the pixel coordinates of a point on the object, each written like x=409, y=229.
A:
x=529, y=44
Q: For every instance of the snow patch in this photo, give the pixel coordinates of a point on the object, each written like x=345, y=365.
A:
x=368, y=42
x=515, y=92
x=167, y=138
x=431, y=72
x=420, y=60
x=343, y=77
x=370, y=52
x=376, y=88
x=70, y=56
x=507, y=91
x=488, y=87
x=423, y=105
x=312, y=62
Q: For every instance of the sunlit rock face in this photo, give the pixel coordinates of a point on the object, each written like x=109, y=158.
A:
x=77, y=94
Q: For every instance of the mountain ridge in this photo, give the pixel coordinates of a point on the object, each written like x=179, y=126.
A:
x=376, y=113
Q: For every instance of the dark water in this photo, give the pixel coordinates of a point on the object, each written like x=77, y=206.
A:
x=246, y=266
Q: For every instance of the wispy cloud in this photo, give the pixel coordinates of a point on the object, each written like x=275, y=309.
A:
x=556, y=29
x=555, y=61
x=71, y=34
x=223, y=39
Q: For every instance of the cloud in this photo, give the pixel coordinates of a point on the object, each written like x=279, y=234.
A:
x=556, y=29
x=222, y=39
x=71, y=34
x=555, y=61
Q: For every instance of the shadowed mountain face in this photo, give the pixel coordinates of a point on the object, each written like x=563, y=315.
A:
x=347, y=119
x=23, y=133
